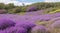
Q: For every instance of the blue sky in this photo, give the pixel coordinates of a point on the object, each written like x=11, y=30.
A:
x=26, y=2
x=31, y=0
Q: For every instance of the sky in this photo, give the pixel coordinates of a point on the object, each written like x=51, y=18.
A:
x=26, y=2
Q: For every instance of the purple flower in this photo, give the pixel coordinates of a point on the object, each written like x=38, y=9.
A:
x=39, y=29
x=3, y=31
x=31, y=8
x=4, y=23
x=56, y=24
x=16, y=30
x=26, y=24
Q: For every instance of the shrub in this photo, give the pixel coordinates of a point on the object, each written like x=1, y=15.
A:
x=16, y=30
x=3, y=11
x=39, y=29
x=31, y=8
x=27, y=25
x=56, y=24
x=15, y=10
x=6, y=23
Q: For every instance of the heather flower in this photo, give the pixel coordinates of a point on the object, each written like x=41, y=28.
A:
x=54, y=27
x=39, y=29
x=16, y=30
x=39, y=12
x=31, y=8
x=3, y=31
x=4, y=23
x=56, y=24
x=27, y=25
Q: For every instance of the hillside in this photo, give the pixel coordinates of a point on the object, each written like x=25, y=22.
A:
x=36, y=18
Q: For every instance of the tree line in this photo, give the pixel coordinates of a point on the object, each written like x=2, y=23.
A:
x=11, y=8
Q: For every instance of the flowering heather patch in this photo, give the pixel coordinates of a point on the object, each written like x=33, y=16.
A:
x=6, y=23
x=39, y=12
x=56, y=24
x=55, y=27
x=31, y=8
x=39, y=29
x=27, y=25
x=3, y=31
x=16, y=30
x=52, y=21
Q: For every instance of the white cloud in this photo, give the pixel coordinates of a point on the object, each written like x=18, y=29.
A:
x=20, y=3
x=52, y=0
x=14, y=1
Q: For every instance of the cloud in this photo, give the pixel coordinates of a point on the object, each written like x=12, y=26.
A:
x=17, y=3
x=20, y=3
x=52, y=0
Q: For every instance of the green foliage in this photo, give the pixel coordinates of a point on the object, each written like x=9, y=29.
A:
x=15, y=10
x=51, y=10
x=23, y=9
x=3, y=11
x=2, y=5
x=9, y=6
x=55, y=11
x=47, y=7
x=44, y=5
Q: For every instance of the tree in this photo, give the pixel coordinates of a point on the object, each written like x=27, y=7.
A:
x=2, y=5
x=9, y=6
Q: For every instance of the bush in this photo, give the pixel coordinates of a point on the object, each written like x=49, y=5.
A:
x=6, y=23
x=3, y=11
x=55, y=11
x=39, y=29
x=56, y=24
x=15, y=10
x=31, y=8
x=27, y=25
x=16, y=30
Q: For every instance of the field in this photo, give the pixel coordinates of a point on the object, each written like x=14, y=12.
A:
x=33, y=20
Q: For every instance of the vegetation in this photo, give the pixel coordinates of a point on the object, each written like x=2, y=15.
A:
x=47, y=7
x=45, y=18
